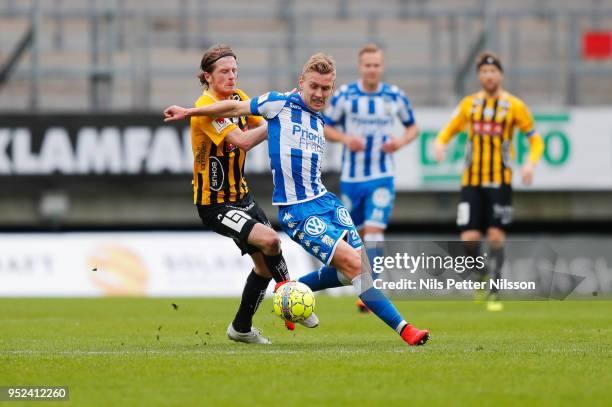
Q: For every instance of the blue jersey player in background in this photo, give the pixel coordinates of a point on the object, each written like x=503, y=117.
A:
x=368, y=112
x=313, y=217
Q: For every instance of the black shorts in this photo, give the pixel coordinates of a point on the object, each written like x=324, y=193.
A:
x=234, y=220
x=483, y=207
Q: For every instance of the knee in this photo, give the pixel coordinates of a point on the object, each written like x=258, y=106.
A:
x=496, y=237
x=471, y=236
x=271, y=244
x=352, y=265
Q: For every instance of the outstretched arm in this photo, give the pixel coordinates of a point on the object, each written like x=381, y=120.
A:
x=246, y=140
x=224, y=108
x=457, y=123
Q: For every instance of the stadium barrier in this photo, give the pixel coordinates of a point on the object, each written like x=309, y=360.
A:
x=577, y=155
x=179, y=264
x=129, y=264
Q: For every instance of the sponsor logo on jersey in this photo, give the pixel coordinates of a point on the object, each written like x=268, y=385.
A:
x=216, y=175
x=327, y=240
x=344, y=217
x=314, y=226
x=381, y=197
x=309, y=140
x=221, y=124
x=493, y=129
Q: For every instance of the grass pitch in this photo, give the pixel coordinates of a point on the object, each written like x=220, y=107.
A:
x=132, y=351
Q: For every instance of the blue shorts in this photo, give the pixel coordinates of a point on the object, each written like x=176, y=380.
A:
x=319, y=225
x=369, y=202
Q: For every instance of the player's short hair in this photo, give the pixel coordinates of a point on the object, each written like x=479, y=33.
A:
x=369, y=48
x=320, y=63
x=488, y=58
x=212, y=55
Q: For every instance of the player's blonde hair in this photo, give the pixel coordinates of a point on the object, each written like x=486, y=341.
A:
x=369, y=48
x=320, y=63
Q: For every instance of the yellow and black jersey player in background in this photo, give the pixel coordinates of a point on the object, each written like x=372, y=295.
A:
x=490, y=117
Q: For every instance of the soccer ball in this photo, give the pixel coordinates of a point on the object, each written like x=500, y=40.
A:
x=294, y=301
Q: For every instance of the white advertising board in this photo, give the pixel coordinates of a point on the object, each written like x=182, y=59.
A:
x=132, y=264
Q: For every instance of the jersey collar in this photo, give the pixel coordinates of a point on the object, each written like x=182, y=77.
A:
x=362, y=90
x=297, y=98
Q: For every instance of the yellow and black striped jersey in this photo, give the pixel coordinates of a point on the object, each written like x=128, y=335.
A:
x=490, y=125
x=218, y=166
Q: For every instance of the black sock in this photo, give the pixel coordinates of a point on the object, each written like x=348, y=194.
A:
x=277, y=267
x=252, y=295
x=472, y=249
x=496, y=261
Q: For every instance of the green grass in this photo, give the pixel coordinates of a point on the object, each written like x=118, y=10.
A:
x=108, y=353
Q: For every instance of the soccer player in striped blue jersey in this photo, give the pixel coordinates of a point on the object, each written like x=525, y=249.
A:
x=308, y=213
x=368, y=112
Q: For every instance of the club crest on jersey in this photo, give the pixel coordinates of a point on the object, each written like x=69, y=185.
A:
x=314, y=226
x=488, y=112
x=388, y=109
x=344, y=217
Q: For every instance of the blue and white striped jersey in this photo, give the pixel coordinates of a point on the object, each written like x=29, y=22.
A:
x=296, y=145
x=371, y=116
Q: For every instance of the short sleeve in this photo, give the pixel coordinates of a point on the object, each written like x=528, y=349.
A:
x=215, y=129
x=334, y=114
x=253, y=121
x=405, y=113
x=523, y=118
x=268, y=105
x=458, y=121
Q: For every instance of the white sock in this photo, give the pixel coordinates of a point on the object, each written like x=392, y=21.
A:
x=400, y=326
x=374, y=237
x=362, y=283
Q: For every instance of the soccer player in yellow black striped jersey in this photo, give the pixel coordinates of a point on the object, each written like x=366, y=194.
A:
x=490, y=117
x=221, y=193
